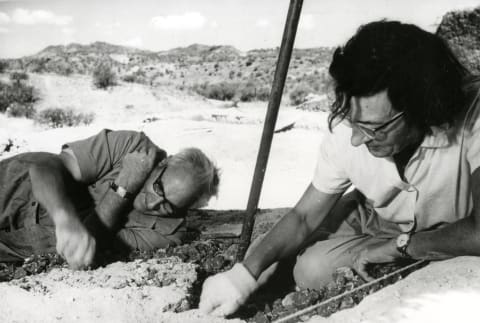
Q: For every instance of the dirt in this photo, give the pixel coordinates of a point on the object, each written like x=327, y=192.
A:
x=149, y=286
x=443, y=291
x=166, y=284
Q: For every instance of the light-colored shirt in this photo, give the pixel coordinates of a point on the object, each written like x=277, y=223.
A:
x=437, y=186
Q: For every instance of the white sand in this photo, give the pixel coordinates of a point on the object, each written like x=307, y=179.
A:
x=443, y=292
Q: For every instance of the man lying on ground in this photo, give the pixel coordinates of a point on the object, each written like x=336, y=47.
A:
x=113, y=190
x=405, y=133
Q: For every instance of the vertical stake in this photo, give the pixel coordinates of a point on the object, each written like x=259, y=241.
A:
x=275, y=98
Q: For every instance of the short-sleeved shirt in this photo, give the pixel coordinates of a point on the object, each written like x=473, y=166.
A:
x=99, y=158
x=437, y=185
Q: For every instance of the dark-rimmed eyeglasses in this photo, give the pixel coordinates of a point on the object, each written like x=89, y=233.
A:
x=169, y=206
x=374, y=133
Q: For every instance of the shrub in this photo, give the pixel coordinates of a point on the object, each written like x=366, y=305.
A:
x=16, y=93
x=3, y=66
x=21, y=110
x=104, y=76
x=248, y=92
x=299, y=93
x=18, y=77
x=263, y=93
x=58, y=118
x=136, y=77
x=218, y=91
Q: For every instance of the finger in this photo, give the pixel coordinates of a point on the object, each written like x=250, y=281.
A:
x=90, y=252
x=361, y=269
x=225, y=309
x=206, y=305
x=85, y=251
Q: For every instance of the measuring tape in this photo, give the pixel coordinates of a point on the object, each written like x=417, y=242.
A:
x=356, y=289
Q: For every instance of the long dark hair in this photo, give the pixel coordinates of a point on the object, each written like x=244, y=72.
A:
x=421, y=74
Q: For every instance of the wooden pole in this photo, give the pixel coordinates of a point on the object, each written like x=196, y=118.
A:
x=284, y=56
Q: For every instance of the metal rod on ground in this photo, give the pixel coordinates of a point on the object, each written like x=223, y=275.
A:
x=354, y=290
x=284, y=55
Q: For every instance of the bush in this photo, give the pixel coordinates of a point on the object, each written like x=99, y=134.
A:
x=104, y=76
x=58, y=118
x=16, y=93
x=217, y=91
x=248, y=92
x=17, y=77
x=263, y=93
x=3, y=66
x=299, y=94
x=135, y=77
x=19, y=110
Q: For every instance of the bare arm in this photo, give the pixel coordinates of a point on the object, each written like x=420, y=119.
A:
x=49, y=176
x=289, y=235
x=456, y=239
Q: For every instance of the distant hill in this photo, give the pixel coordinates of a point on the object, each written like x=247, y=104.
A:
x=462, y=31
x=198, y=67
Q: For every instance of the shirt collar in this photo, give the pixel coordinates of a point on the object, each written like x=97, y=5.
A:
x=439, y=137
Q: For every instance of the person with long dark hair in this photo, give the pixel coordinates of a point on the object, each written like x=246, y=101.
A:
x=397, y=176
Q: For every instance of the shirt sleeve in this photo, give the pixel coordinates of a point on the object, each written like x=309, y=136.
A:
x=330, y=176
x=99, y=154
x=472, y=134
x=146, y=232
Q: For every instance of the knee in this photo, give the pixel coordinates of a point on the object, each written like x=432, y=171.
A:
x=311, y=272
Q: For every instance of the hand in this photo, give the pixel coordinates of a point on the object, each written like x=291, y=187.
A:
x=136, y=167
x=224, y=293
x=373, y=254
x=74, y=243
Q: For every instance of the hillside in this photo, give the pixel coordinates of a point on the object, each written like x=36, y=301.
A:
x=462, y=31
x=196, y=66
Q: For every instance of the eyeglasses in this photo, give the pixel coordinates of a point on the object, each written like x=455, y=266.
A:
x=376, y=132
x=170, y=207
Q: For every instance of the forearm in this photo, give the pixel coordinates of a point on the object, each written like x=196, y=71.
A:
x=457, y=239
x=284, y=240
x=48, y=179
x=292, y=232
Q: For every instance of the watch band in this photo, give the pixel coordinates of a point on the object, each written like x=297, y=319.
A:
x=121, y=191
x=403, y=245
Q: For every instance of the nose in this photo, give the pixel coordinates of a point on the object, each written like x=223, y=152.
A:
x=358, y=137
x=153, y=201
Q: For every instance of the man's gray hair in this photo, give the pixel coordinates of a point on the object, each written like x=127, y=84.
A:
x=205, y=172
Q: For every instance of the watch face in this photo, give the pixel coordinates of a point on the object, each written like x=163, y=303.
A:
x=402, y=240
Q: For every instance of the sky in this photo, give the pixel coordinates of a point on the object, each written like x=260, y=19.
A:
x=28, y=26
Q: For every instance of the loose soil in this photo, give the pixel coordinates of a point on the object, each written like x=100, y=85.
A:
x=165, y=285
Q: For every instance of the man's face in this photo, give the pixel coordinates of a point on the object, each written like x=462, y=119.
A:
x=374, y=111
x=167, y=190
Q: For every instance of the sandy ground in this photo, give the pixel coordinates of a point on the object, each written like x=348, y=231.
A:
x=446, y=291
x=138, y=291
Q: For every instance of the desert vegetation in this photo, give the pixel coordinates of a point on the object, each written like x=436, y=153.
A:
x=58, y=118
x=215, y=72
x=17, y=93
x=104, y=76
x=18, y=99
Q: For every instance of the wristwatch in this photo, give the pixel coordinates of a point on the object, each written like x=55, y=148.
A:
x=121, y=191
x=403, y=240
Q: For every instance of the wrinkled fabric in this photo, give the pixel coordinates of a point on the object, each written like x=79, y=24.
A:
x=25, y=226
